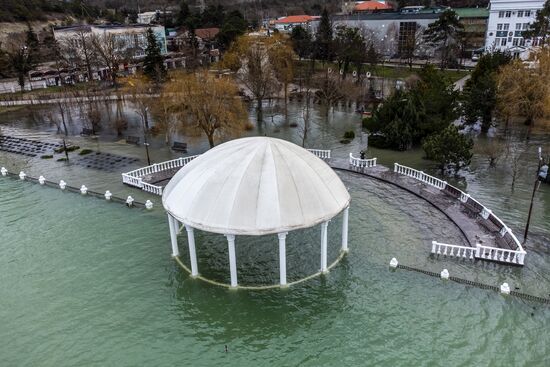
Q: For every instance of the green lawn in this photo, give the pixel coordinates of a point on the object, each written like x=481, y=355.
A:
x=397, y=72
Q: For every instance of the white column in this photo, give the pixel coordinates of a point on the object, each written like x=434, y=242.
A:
x=282, y=258
x=173, y=224
x=192, y=252
x=345, y=219
x=232, y=259
x=324, y=229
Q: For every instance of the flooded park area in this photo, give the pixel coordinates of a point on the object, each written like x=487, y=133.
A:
x=97, y=278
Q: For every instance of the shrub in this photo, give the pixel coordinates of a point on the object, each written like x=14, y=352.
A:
x=47, y=156
x=349, y=135
x=85, y=151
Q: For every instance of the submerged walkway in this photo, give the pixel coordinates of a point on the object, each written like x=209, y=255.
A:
x=472, y=230
x=487, y=237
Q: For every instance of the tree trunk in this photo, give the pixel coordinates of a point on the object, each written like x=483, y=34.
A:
x=259, y=111
x=210, y=139
x=21, y=81
x=63, y=118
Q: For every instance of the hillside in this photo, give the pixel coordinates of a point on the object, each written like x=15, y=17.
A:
x=41, y=10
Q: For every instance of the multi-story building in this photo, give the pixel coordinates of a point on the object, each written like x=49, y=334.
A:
x=286, y=24
x=508, y=19
x=474, y=21
x=388, y=31
x=129, y=37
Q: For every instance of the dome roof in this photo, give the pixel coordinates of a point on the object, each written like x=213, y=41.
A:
x=255, y=186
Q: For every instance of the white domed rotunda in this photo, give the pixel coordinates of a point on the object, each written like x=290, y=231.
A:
x=255, y=186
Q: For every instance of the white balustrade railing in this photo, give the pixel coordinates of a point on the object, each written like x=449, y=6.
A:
x=321, y=153
x=131, y=180
x=500, y=254
x=420, y=176
x=153, y=189
x=517, y=256
x=135, y=177
x=453, y=250
x=361, y=163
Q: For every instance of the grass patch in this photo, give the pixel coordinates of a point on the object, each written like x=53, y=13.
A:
x=384, y=71
x=64, y=159
x=46, y=156
x=85, y=151
x=70, y=148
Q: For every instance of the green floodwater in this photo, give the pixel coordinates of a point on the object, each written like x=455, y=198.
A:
x=86, y=282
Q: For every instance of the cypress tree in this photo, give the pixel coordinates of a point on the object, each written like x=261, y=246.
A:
x=153, y=64
x=323, y=38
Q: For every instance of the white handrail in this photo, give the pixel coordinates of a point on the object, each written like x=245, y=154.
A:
x=465, y=198
x=461, y=251
x=361, y=163
x=321, y=153
x=159, y=167
x=420, y=176
x=500, y=254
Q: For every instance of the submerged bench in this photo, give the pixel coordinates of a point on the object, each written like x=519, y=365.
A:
x=181, y=147
x=132, y=140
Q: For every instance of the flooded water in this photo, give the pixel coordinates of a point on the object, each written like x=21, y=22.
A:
x=87, y=282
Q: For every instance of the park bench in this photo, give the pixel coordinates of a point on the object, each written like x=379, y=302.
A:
x=132, y=140
x=87, y=132
x=179, y=146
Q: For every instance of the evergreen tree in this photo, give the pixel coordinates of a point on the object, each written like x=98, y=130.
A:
x=408, y=117
x=183, y=14
x=301, y=41
x=323, y=38
x=444, y=34
x=153, y=63
x=449, y=148
x=349, y=49
x=541, y=26
x=479, y=97
x=372, y=57
x=233, y=26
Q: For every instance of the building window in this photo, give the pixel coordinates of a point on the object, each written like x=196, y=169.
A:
x=525, y=26
x=528, y=13
x=508, y=14
x=518, y=26
x=516, y=42
x=520, y=13
x=506, y=26
x=499, y=27
x=503, y=42
x=522, y=41
x=501, y=14
x=407, y=32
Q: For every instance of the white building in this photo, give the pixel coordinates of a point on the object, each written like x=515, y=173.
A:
x=131, y=36
x=508, y=19
x=286, y=24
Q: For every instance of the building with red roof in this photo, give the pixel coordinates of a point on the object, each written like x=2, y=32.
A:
x=285, y=24
x=372, y=6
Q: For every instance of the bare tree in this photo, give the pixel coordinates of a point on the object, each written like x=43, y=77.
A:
x=112, y=51
x=250, y=58
x=206, y=104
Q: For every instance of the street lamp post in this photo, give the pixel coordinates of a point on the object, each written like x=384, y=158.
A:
x=145, y=131
x=535, y=187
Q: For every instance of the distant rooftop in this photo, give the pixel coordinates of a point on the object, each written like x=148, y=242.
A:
x=372, y=6
x=88, y=27
x=386, y=16
x=472, y=12
x=296, y=19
